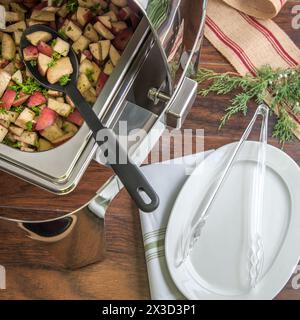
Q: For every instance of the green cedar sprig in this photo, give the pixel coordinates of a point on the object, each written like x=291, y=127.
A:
x=282, y=85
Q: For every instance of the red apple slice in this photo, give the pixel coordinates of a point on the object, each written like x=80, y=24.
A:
x=46, y=119
x=88, y=54
x=124, y=13
x=76, y=118
x=101, y=82
x=122, y=39
x=8, y=99
x=36, y=99
x=45, y=49
x=30, y=53
x=3, y=63
x=22, y=99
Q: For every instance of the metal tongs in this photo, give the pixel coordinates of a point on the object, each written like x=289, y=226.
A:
x=256, y=252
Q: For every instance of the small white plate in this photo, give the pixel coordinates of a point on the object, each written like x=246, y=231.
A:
x=217, y=266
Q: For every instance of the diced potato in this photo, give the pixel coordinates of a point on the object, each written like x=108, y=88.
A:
x=13, y=116
x=4, y=116
x=91, y=33
x=63, y=11
x=69, y=127
x=36, y=37
x=96, y=50
x=10, y=137
x=83, y=15
x=4, y=81
x=16, y=130
x=106, y=21
x=108, y=68
x=120, y=3
x=25, y=116
x=60, y=99
x=19, y=26
x=96, y=73
x=90, y=96
x=85, y=66
x=17, y=77
x=119, y=26
x=105, y=46
x=42, y=15
x=81, y=44
x=13, y=16
x=114, y=55
x=28, y=138
x=44, y=145
x=8, y=47
x=17, y=37
x=72, y=31
x=17, y=7
x=54, y=93
x=112, y=15
x=63, y=138
x=62, y=47
x=5, y=123
x=43, y=62
x=86, y=3
x=52, y=133
x=61, y=108
x=60, y=122
x=103, y=31
x=83, y=83
x=61, y=68
x=10, y=68
x=3, y=133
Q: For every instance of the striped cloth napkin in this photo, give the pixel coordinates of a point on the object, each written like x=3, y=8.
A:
x=235, y=29
x=167, y=179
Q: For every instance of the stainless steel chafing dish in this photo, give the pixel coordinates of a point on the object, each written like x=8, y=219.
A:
x=150, y=89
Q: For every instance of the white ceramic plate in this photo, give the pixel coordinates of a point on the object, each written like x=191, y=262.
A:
x=217, y=267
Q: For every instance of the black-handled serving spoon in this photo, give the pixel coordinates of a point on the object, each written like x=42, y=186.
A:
x=129, y=174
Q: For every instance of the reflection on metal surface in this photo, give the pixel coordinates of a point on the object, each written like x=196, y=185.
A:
x=75, y=240
x=49, y=231
x=179, y=26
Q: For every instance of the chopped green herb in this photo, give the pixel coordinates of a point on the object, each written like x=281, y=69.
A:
x=36, y=110
x=89, y=73
x=95, y=8
x=29, y=126
x=33, y=63
x=64, y=80
x=11, y=143
x=28, y=87
x=17, y=109
x=53, y=42
x=3, y=111
x=72, y=6
x=55, y=57
x=62, y=34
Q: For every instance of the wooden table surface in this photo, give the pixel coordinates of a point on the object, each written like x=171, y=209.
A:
x=123, y=274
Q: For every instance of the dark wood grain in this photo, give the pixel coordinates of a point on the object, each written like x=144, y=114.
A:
x=123, y=274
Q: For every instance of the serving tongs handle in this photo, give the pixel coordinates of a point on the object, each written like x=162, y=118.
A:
x=256, y=248
x=191, y=236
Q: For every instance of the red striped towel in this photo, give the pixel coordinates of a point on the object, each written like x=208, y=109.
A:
x=249, y=43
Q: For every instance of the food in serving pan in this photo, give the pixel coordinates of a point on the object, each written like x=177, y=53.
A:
x=33, y=118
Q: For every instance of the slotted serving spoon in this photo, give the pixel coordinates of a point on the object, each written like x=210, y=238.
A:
x=130, y=175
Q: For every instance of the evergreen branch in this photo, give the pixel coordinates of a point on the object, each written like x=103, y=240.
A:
x=283, y=85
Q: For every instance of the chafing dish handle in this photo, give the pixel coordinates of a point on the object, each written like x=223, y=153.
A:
x=130, y=175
